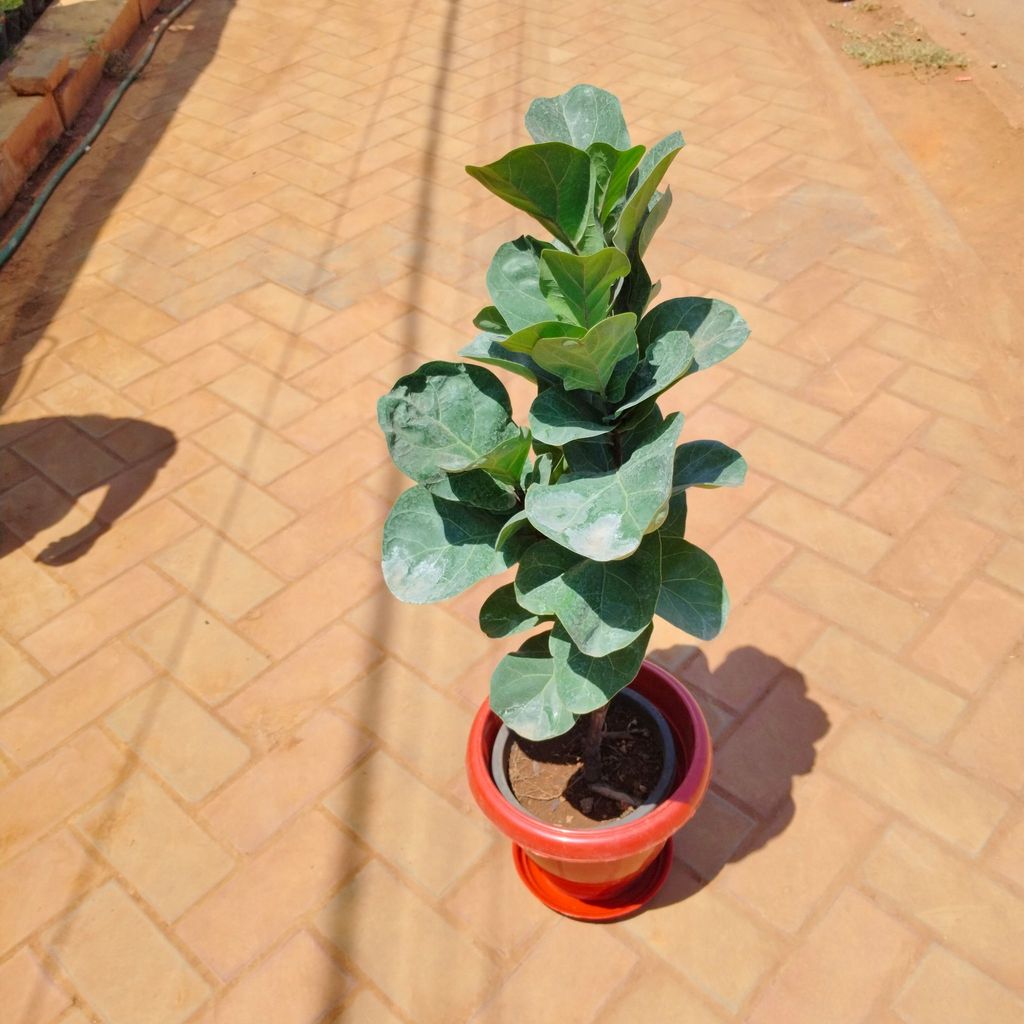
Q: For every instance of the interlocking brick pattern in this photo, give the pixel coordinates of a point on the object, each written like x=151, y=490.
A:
x=230, y=764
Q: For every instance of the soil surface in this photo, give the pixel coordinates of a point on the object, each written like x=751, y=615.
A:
x=547, y=777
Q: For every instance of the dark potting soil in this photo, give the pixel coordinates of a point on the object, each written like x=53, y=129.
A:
x=547, y=776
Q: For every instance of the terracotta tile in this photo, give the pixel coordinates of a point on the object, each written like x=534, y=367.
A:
x=365, y=1008
x=888, y=302
x=974, y=448
x=821, y=982
x=334, y=421
x=27, y=993
x=420, y=986
x=68, y=457
x=1007, y=565
x=283, y=307
x=1006, y=852
x=18, y=676
x=969, y=911
x=748, y=555
x=810, y=291
x=803, y=468
x=281, y=353
x=129, y=318
x=181, y=741
x=916, y=346
x=990, y=503
x=29, y=595
x=898, y=496
x=197, y=332
x=253, y=908
x=249, y=447
x=39, y=884
x=216, y=572
x=213, y=289
x=944, y=987
x=918, y=785
x=298, y=984
x=335, y=468
x=721, y=950
x=710, y=839
x=176, y=380
x=232, y=505
x=935, y=557
x=572, y=970
x=155, y=845
x=429, y=840
x=860, y=675
x=71, y=701
x=97, y=943
x=877, y=431
x=978, y=630
x=856, y=376
x=946, y=395
x=262, y=395
x=802, y=420
x=256, y=804
x=208, y=657
x=838, y=595
x=95, y=401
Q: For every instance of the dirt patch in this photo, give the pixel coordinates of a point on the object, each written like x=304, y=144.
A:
x=547, y=777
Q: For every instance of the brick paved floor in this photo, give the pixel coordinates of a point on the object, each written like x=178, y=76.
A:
x=231, y=765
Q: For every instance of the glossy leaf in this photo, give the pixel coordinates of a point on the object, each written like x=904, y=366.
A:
x=586, y=683
x=578, y=288
x=603, y=606
x=707, y=464
x=580, y=117
x=502, y=615
x=557, y=417
x=434, y=549
x=487, y=348
x=653, y=166
x=506, y=459
x=525, y=340
x=476, y=488
x=444, y=417
x=588, y=362
x=511, y=527
x=525, y=695
x=693, y=596
x=612, y=168
x=714, y=328
x=664, y=361
x=657, y=211
x=550, y=181
x=606, y=516
x=513, y=282
x=490, y=320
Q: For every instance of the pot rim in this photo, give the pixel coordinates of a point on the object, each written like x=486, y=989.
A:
x=684, y=717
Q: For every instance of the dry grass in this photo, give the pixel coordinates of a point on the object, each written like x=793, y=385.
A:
x=899, y=45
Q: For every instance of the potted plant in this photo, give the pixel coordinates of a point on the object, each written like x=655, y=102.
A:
x=588, y=501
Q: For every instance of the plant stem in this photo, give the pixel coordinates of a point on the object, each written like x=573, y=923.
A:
x=592, y=744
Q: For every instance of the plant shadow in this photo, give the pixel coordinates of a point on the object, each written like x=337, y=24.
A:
x=764, y=728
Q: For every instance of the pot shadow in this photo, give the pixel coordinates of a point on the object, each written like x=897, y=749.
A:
x=47, y=465
x=764, y=737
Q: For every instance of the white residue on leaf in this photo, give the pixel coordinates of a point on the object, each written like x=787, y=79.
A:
x=410, y=577
x=602, y=539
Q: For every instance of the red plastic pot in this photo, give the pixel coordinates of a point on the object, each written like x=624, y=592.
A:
x=606, y=873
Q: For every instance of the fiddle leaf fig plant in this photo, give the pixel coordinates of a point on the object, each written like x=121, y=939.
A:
x=588, y=499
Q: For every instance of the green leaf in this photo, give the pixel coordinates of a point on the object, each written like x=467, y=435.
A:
x=713, y=327
x=637, y=290
x=597, y=455
x=502, y=615
x=693, y=596
x=489, y=319
x=657, y=211
x=511, y=528
x=582, y=116
x=588, y=362
x=507, y=459
x=444, y=417
x=707, y=464
x=525, y=694
x=525, y=340
x=612, y=168
x=606, y=516
x=550, y=181
x=652, y=169
x=604, y=606
x=585, y=683
x=434, y=549
x=663, y=361
x=578, y=288
x=476, y=488
x=513, y=282
x=558, y=416
x=487, y=348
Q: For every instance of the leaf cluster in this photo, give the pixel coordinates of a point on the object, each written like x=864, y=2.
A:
x=588, y=499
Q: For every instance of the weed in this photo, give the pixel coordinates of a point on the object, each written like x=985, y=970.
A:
x=897, y=46
x=118, y=65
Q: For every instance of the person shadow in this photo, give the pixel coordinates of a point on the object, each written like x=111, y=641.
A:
x=48, y=465
x=764, y=728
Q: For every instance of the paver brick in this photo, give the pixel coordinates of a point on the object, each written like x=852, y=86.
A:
x=27, y=993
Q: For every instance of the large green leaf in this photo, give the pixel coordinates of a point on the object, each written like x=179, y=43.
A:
x=550, y=181
x=477, y=488
x=657, y=211
x=487, y=348
x=612, y=168
x=582, y=116
x=434, y=549
x=512, y=526
x=557, y=417
x=713, y=327
x=638, y=289
x=653, y=166
x=507, y=459
x=663, y=361
x=525, y=692
x=578, y=288
x=596, y=455
x=444, y=417
x=586, y=683
x=588, y=362
x=513, y=282
x=489, y=319
x=502, y=615
x=525, y=340
x=707, y=464
x=603, y=605
x=605, y=516
x=693, y=596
